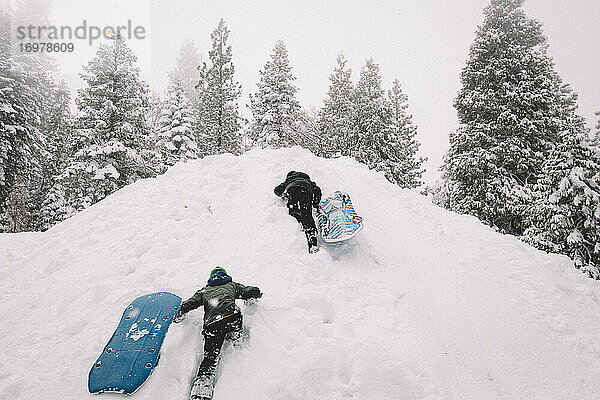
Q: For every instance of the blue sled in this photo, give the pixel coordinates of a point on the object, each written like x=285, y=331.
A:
x=133, y=351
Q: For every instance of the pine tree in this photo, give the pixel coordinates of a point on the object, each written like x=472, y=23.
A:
x=510, y=109
x=218, y=117
x=18, y=215
x=111, y=140
x=375, y=142
x=155, y=108
x=336, y=117
x=596, y=138
x=275, y=109
x=57, y=127
x=372, y=117
x=565, y=217
x=439, y=193
x=175, y=139
x=306, y=134
x=407, y=172
x=21, y=139
x=43, y=103
x=187, y=71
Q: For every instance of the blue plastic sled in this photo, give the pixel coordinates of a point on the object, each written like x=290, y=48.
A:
x=133, y=351
x=337, y=218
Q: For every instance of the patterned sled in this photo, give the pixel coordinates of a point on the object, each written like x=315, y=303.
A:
x=337, y=218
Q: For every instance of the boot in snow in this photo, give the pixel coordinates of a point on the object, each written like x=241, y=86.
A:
x=202, y=389
x=311, y=237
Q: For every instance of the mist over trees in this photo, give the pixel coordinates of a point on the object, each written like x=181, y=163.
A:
x=187, y=71
x=34, y=126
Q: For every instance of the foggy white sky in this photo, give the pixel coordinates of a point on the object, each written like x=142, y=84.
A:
x=422, y=43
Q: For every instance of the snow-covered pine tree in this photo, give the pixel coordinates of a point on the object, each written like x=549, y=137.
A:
x=596, y=136
x=111, y=140
x=275, y=109
x=38, y=72
x=408, y=171
x=510, y=109
x=21, y=140
x=305, y=132
x=175, y=139
x=438, y=193
x=155, y=108
x=57, y=123
x=565, y=217
x=218, y=115
x=18, y=215
x=187, y=71
x=375, y=142
x=336, y=117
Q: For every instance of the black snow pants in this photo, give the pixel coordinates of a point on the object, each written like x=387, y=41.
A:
x=300, y=207
x=214, y=336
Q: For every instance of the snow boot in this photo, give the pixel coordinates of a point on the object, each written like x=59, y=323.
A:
x=311, y=238
x=202, y=389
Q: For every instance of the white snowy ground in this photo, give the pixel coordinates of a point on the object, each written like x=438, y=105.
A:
x=424, y=304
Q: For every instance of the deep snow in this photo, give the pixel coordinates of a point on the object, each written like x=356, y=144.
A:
x=423, y=304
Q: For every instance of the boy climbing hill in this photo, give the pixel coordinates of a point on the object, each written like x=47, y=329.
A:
x=222, y=320
x=302, y=194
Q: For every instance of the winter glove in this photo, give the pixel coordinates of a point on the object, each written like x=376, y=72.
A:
x=252, y=293
x=179, y=317
x=251, y=302
x=280, y=190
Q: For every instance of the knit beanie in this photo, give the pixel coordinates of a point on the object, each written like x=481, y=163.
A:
x=216, y=270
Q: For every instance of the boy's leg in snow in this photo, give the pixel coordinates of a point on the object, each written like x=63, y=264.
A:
x=214, y=336
x=300, y=207
x=235, y=331
x=308, y=222
x=213, y=341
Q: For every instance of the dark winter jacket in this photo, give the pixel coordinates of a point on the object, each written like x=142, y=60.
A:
x=218, y=298
x=302, y=180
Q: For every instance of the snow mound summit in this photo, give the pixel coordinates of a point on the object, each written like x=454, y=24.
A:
x=422, y=304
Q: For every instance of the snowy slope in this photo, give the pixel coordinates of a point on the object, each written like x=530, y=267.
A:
x=424, y=304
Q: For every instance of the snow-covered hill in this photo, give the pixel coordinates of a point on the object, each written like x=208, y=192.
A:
x=424, y=304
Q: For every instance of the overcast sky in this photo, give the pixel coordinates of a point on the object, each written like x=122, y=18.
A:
x=422, y=43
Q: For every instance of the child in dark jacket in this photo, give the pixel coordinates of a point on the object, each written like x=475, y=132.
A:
x=302, y=194
x=222, y=320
